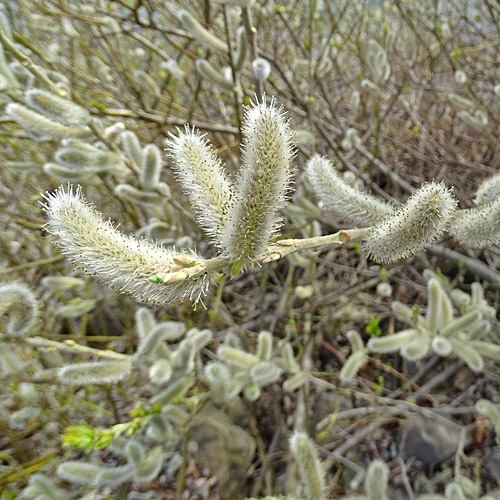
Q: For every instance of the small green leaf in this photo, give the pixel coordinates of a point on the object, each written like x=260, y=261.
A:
x=322, y=435
x=79, y=437
x=373, y=328
x=104, y=440
x=139, y=412
x=236, y=267
x=156, y=409
x=98, y=106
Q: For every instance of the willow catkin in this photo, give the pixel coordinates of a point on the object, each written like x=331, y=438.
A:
x=376, y=480
x=204, y=36
x=344, y=201
x=20, y=306
x=391, y=343
x=207, y=71
x=151, y=167
x=310, y=468
x=65, y=174
x=122, y=262
x=241, y=48
x=88, y=159
x=132, y=146
x=78, y=472
x=150, y=467
x=412, y=227
x=57, y=108
x=264, y=183
x=42, y=126
x=477, y=227
x=204, y=180
x=137, y=196
x=261, y=69
x=101, y=372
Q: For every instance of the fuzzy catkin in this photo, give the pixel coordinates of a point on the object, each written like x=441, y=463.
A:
x=441, y=346
x=160, y=371
x=391, y=343
x=65, y=174
x=414, y=226
x=433, y=315
x=57, y=108
x=6, y=70
x=131, y=146
x=113, y=476
x=486, y=349
x=80, y=159
x=290, y=362
x=468, y=355
x=204, y=180
x=355, y=340
x=477, y=227
x=352, y=365
x=237, y=357
x=376, y=480
x=135, y=452
x=487, y=408
x=20, y=305
x=77, y=309
x=261, y=69
x=78, y=472
x=417, y=347
x=61, y=282
x=296, y=381
x=310, y=468
x=42, y=485
x=265, y=373
x=101, y=372
x=341, y=199
x=149, y=469
x=122, y=262
x=200, y=337
x=137, y=196
x=167, y=330
x=176, y=389
x=463, y=322
x=151, y=167
x=241, y=48
x=264, y=346
x=207, y=71
x=201, y=34
x=264, y=183
x=36, y=123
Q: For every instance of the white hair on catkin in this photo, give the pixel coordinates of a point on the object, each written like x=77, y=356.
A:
x=477, y=227
x=120, y=261
x=348, y=203
x=263, y=185
x=414, y=226
x=203, y=179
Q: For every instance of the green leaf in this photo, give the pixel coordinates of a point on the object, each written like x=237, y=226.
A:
x=79, y=437
x=97, y=105
x=104, y=440
x=373, y=329
x=236, y=267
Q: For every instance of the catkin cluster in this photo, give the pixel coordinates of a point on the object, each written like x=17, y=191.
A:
x=240, y=217
x=239, y=371
x=395, y=233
